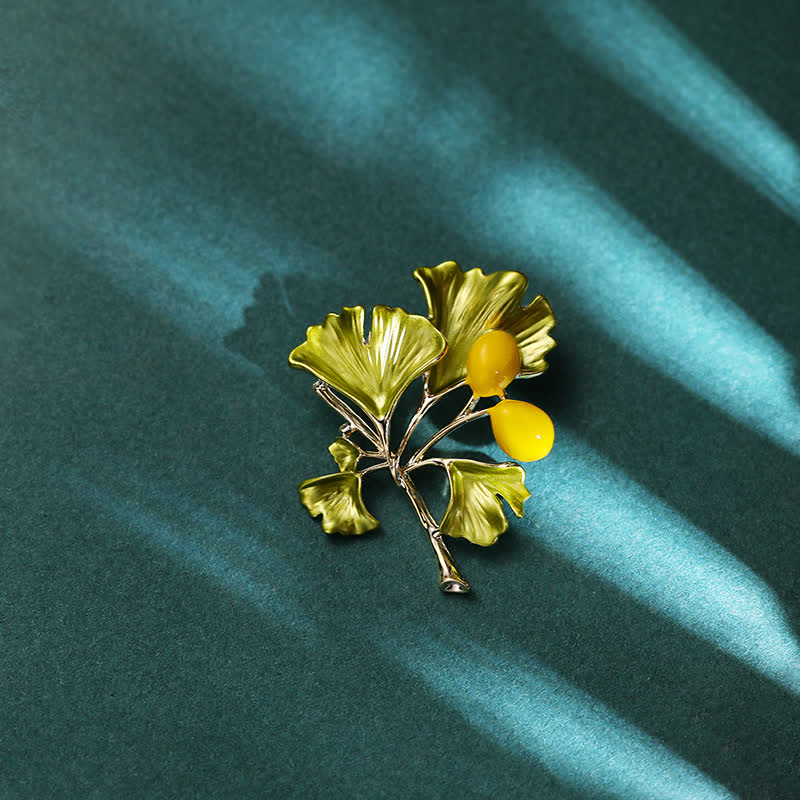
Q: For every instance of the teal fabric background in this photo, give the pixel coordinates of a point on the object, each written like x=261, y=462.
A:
x=185, y=187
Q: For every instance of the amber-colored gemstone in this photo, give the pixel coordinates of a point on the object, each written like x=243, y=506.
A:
x=522, y=430
x=493, y=362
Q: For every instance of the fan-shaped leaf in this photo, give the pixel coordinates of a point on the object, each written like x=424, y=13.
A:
x=465, y=305
x=376, y=372
x=345, y=454
x=338, y=498
x=475, y=511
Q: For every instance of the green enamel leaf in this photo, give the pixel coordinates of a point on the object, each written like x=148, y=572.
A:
x=465, y=305
x=374, y=372
x=475, y=511
x=338, y=498
x=345, y=454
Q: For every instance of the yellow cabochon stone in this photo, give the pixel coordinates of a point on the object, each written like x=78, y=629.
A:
x=522, y=430
x=493, y=362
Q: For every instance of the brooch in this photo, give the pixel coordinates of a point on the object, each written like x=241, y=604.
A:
x=477, y=335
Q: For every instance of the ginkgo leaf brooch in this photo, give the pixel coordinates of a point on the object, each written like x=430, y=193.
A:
x=477, y=335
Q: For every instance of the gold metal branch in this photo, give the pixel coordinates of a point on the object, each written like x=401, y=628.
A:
x=337, y=404
x=463, y=416
x=449, y=578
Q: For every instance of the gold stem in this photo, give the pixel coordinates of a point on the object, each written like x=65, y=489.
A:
x=374, y=467
x=449, y=578
x=428, y=462
x=461, y=419
x=427, y=402
x=337, y=404
x=383, y=447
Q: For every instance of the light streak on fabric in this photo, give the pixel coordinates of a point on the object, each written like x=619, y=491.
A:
x=528, y=709
x=646, y=54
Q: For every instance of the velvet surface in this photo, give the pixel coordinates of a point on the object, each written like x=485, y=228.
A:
x=185, y=187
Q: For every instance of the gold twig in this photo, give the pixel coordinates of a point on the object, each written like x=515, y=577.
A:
x=461, y=418
x=337, y=404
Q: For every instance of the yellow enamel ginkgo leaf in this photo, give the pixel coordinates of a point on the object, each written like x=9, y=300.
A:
x=374, y=372
x=464, y=305
x=475, y=511
x=338, y=498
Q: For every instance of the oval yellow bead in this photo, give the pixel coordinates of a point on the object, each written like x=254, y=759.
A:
x=522, y=430
x=493, y=362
